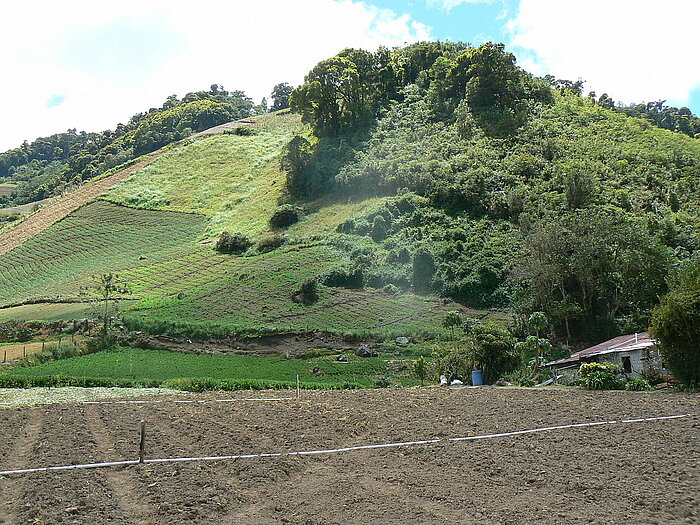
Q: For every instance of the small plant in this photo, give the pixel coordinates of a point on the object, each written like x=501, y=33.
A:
x=637, y=384
x=653, y=376
x=420, y=369
x=236, y=243
x=382, y=382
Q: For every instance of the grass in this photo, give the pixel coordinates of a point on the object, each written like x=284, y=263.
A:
x=161, y=366
x=236, y=181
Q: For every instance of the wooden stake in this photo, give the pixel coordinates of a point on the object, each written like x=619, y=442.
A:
x=24, y=351
x=5, y=358
x=298, y=388
x=142, y=443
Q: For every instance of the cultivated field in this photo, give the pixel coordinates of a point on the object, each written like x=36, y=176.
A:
x=634, y=472
x=6, y=189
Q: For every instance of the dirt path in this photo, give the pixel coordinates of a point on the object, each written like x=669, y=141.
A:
x=58, y=208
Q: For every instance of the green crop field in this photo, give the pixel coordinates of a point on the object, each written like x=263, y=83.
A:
x=100, y=237
x=180, y=286
x=159, y=366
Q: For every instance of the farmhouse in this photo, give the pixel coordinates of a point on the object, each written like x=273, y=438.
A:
x=633, y=352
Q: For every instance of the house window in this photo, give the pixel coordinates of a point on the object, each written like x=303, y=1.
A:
x=626, y=364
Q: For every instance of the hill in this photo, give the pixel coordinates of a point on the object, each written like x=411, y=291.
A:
x=154, y=228
x=399, y=177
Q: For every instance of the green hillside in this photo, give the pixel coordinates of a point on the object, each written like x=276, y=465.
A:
x=411, y=178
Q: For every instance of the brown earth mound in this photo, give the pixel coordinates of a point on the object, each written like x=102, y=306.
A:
x=646, y=472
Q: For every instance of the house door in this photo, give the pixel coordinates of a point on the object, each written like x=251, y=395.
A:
x=626, y=364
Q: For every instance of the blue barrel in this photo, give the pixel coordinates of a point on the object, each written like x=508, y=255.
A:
x=477, y=378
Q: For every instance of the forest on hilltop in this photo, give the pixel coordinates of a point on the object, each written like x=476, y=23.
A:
x=503, y=190
x=49, y=165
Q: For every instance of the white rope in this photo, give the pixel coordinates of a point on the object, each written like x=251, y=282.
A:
x=338, y=450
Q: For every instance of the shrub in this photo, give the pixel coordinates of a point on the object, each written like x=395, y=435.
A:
x=600, y=376
x=420, y=369
x=637, y=384
x=343, y=277
x=284, y=216
x=243, y=131
x=236, y=243
x=308, y=292
x=270, y=242
x=653, y=376
x=379, y=229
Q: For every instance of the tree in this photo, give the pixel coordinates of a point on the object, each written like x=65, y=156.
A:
x=105, y=293
x=676, y=325
x=280, y=95
x=423, y=270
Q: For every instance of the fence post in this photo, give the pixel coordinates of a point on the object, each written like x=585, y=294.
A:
x=5, y=358
x=24, y=351
x=142, y=442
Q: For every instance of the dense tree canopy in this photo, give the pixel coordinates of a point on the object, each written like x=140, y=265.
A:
x=48, y=165
x=524, y=193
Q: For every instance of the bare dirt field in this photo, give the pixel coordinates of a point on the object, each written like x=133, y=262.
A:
x=643, y=472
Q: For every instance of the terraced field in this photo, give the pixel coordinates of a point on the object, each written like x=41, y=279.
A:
x=6, y=189
x=100, y=237
x=176, y=282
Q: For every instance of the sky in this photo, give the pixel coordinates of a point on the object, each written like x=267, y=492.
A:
x=89, y=65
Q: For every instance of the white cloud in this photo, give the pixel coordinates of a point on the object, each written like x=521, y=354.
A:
x=109, y=60
x=634, y=50
x=449, y=5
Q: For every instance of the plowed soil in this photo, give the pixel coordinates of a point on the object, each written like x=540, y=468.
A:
x=621, y=473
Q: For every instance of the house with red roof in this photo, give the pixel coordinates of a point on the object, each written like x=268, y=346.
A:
x=632, y=352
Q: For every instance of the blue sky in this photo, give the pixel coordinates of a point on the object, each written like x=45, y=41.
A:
x=90, y=65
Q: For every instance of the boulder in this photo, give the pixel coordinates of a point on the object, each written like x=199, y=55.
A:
x=402, y=341
x=443, y=380
x=364, y=350
x=342, y=358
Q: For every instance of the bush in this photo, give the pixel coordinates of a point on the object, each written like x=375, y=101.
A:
x=270, y=242
x=236, y=243
x=243, y=131
x=343, y=277
x=600, y=376
x=653, y=376
x=637, y=384
x=284, y=216
x=308, y=292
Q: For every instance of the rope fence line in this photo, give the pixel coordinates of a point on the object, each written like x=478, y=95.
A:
x=335, y=450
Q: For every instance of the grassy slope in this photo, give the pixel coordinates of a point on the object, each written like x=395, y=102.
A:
x=232, y=182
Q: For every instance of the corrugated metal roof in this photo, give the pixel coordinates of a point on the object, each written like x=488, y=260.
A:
x=623, y=343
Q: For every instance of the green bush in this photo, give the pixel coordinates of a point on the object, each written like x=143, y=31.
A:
x=270, y=242
x=308, y=292
x=600, y=376
x=637, y=384
x=236, y=243
x=284, y=216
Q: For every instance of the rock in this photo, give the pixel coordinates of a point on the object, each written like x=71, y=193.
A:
x=443, y=381
x=365, y=351
x=142, y=257
x=456, y=382
x=342, y=358
x=402, y=341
